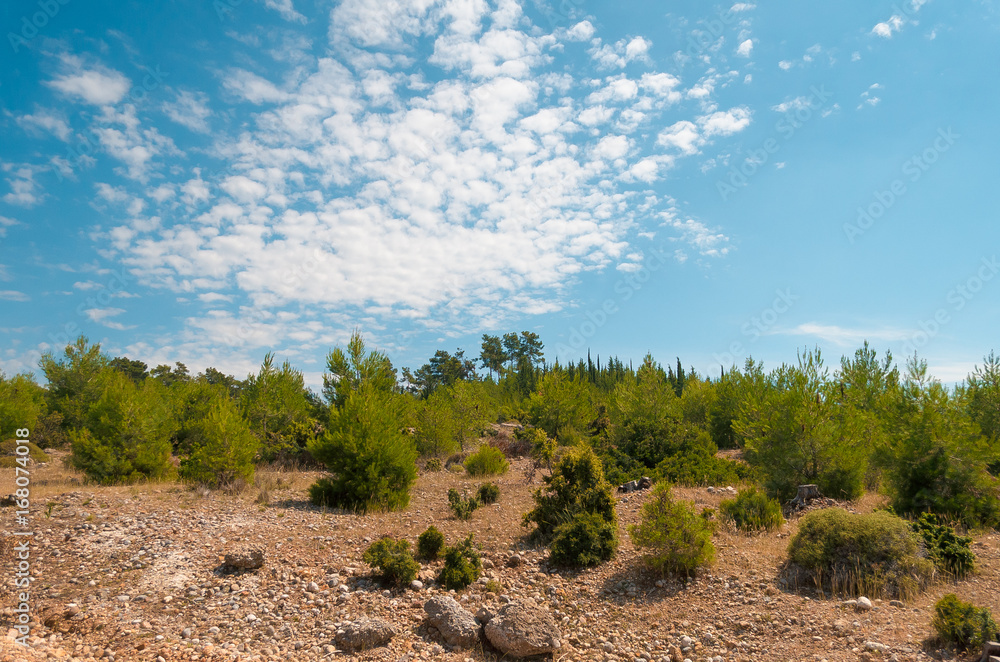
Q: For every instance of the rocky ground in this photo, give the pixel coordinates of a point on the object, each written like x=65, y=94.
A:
x=136, y=573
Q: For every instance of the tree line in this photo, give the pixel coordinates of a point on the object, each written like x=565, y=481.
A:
x=864, y=425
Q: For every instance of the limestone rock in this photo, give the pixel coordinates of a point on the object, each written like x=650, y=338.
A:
x=362, y=635
x=245, y=558
x=458, y=627
x=522, y=628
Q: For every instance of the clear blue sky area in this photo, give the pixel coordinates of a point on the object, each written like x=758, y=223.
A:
x=206, y=181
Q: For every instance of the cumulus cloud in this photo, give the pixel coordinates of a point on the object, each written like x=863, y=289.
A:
x=745, y=48
x=47, y=121
x=92, y=83
x=189, y=109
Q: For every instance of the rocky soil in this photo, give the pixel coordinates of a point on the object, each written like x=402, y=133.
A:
x=137, y=573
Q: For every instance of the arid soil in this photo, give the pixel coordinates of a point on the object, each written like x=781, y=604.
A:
x=135, y=573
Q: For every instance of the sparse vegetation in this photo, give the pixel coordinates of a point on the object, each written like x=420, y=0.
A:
x=949, y=551
x=461, y=506
x=676, y=539
x=487, y=461
x=752, y=511
x=576, y=485
x=8, y=458
x=488, y=493
x=462, y=565
x=430, y=543
x=586, y=540
x=962, y=624
x=874, y=554
x=393, y=560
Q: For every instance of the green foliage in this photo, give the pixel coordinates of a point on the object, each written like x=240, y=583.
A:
x=74, y=384
x=983, y=402
x=675, y=537
x=371, y=459
x=8, y=453
x=700, y=466
x=487, y=461
x=543, y=447
x=434, y=423
x=576, y=485
x=393, y=559
x=462, y=565
x=274, y=402
x=430, y=543
x=751, y=511
x=473, y=408
x=586, y=540
x=936, y=459
x=350, y=370
x=433, y=464
x=962, y=624
x=22, y=404
x=561, y=407
x=461, y=506
x=949, y=551
x=126, y=432
x=874, y=554
x=488, y=493
x=222, y=448
x=443, y=370
x=645, y=416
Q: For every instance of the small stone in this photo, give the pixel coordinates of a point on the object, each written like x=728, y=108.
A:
x=312, y=587
x=864, y=604
x=416, y=584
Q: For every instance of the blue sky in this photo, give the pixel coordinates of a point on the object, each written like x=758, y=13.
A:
x=208, y=181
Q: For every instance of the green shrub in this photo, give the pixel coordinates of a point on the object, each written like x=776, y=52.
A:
x=576, y=485
x=488, y=493
x=393, y=559
x=874, y=554
x=676, y=538
x=543, y=447
x=487, y=461
x=588, y=539
x=462, y=565
x=751, y=510
x=430, y=543
x=700, y=467
x=8, y=453
x=222, y=448
x=948, y=550
x=962, y=624
x=433, y=464
x=461, y=506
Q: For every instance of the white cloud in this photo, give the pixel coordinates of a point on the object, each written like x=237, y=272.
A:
x=582, y=31
x=707, y=242
x=786, y=64
x=6, y=223
x=886, y=29
x=844, y=337
x=617, y=55
x=251, y=87
x=725, y=123
x=12, y=295
x=101, y=316
x=23, y=187
x=94, y=84
x=285, y=8
x=683, y=135
x=189, y=109
x=742, y=6
x=47, y=121
x=745, y=48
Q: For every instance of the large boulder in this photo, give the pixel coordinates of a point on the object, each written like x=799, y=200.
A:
x=457, y=625
x=365, y=634
x=247, y=557
x=522, y=629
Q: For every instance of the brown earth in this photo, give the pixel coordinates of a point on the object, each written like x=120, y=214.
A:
x=142, y=565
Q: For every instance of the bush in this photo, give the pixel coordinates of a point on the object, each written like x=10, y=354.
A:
x=873, y=554
x=948, y=550
x=962, y=624
x=488, y=493
x=487, y=461
x=393, y=559
x=678, y=540
x=462, y=507
x=430, y=543
x=588, y=539
x=8, y=453
x=433, y=464
x=373, y=464
x=576, y=485
x=701, y=467
x=751, y=510
x=462, y=565
x=222, y=448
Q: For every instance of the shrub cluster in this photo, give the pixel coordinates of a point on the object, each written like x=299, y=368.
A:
x=8, y=458
x=676, y=538
x=962, y=624
x=393, y=559
x=700, y=467
x=948, y=550
x=751, y=511
x=429, y=543
x=487, y=461
x=875, y=554
x=462, y=565
x=488, y=493
x=433, y=464
x=576, y=511
x=461, y=506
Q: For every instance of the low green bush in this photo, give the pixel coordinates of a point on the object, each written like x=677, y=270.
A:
x=962, y=624
x=697, y=468
x=948, y=550
x=433, y=464
x=462, y=565
x=430, y=543
x=752, y=511
x=487, y=461
x=586, y=540
x=488, y=493
x=675, y=537
x=8, y=453
x=461, y=506
x=874, y=554
x=393, y=559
